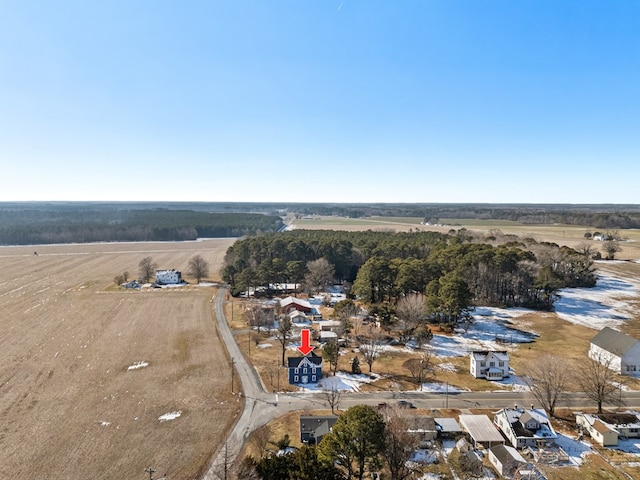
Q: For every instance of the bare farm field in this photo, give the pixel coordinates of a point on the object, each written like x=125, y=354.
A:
x=101, y=382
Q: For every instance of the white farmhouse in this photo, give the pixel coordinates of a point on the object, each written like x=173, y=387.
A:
x=168, y=277
x=620, y=351
x=488, y=364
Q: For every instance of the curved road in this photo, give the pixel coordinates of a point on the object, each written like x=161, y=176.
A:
x=261, y=407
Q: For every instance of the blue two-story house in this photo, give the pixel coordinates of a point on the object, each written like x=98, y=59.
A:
x=303, y=370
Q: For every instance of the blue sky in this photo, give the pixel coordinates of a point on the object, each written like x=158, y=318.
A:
x=311, y=101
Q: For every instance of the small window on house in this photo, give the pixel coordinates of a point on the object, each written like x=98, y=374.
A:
x=295, y=379
x=313, y=378
x=492, y=364
x=501, y=364
x=482, y=364
x=304, y=370
x=297, y=370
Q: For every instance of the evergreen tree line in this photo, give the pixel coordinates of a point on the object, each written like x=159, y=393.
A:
x=453, y=268
x=34, y=227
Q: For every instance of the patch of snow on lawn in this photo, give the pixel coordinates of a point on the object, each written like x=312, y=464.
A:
x=490, y=325
x=515, y=384
x=447, y=367
x=138, y=365
x=342, y=381
x=600, y=306
x=105, y=424
x=576, y=450
x=265, y=345
x=170, y=416
x=435, y=387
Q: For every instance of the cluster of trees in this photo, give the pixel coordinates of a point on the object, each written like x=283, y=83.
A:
x=550, y=379
x=454, y=271
x=83, y=225
x=362, y=443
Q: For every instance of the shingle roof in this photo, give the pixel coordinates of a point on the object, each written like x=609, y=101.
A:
x=613, y=341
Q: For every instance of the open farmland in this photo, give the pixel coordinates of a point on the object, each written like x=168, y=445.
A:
x=100, y=382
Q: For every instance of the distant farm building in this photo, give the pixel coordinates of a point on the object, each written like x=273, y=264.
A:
x=620, y=351
x=291, y=303
x=168, y=277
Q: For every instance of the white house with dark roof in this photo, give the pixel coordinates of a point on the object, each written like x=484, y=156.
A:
x=621, y=351
x=489, y=364
x=528, y=427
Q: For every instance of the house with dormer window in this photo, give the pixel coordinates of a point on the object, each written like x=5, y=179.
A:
x=526, y=427
x=303, y=370
x=489, y=364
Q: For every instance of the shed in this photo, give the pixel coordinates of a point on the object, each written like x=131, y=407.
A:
x=506, y=460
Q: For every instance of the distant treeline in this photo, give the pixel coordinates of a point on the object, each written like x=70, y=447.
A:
x=384, y=266
x=67, y=224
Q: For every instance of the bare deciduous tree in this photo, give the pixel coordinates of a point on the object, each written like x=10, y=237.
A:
x=260, y=440
x=146, y=269
x=585, y=249
x=320, y=273
x=331, y=392
x=399, y=444
x=599, y=382
x=198, y=268
x=371, y=346
x=411, y=311
x=419, y=367
x=610, y=247
x=548, y=377
x=258, y=317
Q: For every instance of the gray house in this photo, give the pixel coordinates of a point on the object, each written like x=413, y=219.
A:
x=621, y=351
x=314, y=427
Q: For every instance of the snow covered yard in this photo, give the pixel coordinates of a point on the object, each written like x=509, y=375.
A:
x=606, y=304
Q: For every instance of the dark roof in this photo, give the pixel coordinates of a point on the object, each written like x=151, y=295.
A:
x=316, y=424
x=502, y=453
x=294, y=362
x=614, y=341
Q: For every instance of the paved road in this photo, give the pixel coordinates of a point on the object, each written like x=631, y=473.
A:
x=260, y=407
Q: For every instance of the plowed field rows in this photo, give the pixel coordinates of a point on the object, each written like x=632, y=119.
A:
x=88, y=370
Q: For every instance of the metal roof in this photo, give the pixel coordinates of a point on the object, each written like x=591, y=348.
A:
x=614, y=341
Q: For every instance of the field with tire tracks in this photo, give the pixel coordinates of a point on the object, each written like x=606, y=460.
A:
x=101, y=382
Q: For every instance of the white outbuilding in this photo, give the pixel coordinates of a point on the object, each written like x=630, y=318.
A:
x=620, y=351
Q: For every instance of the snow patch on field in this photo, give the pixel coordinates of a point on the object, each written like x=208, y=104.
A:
x=606, y=304
x=342, y=381
x=170, y=416
x=138, y=365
